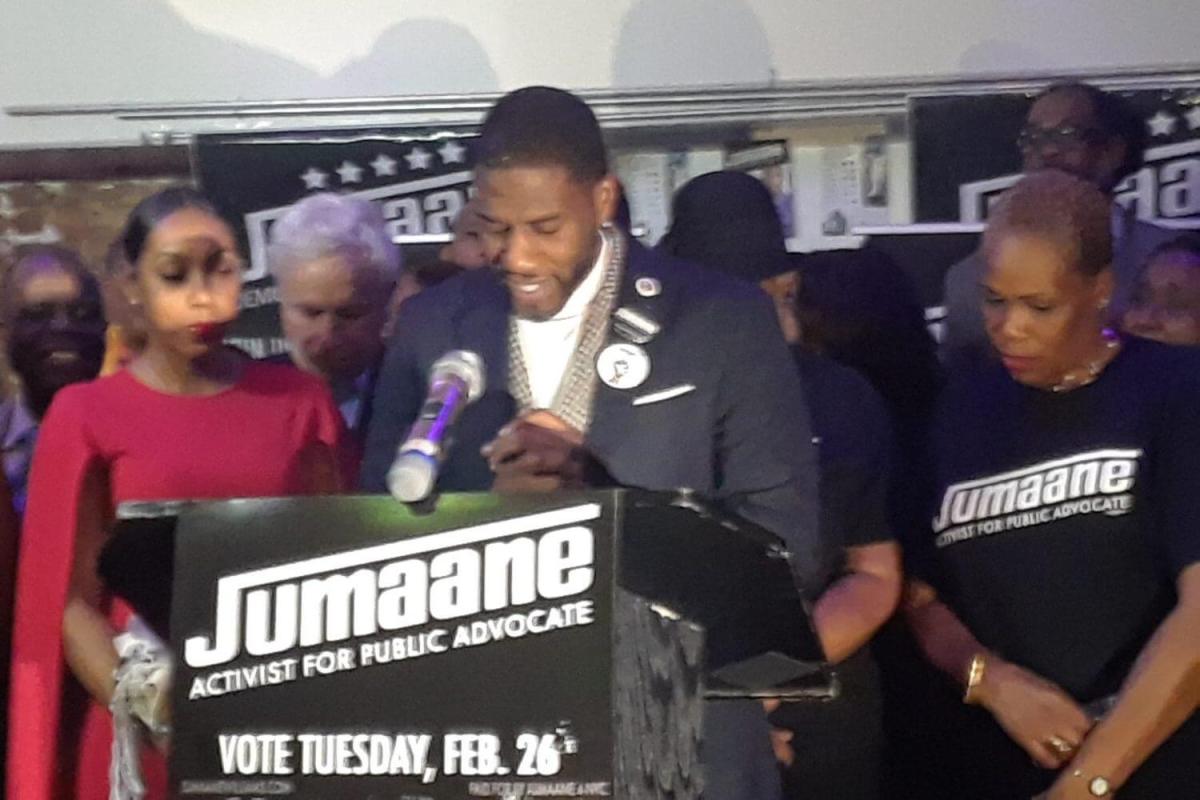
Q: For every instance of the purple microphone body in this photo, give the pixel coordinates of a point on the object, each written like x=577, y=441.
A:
x=455, y=381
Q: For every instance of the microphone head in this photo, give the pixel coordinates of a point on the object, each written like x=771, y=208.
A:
x=412, y=476
x=464, y=365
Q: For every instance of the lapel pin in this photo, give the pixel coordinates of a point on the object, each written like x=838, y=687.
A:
x=623, y=366
x=634, y=325
x=647, y=287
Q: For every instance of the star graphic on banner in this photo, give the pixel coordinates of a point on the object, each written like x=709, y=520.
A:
x=1193, y=118
x=314, y=178
x=1161, y=124
x=383, y=165
x=350, y=172
x=452, y=152
x=418, y=158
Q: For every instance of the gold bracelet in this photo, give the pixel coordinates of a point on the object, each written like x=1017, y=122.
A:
x=974, y=678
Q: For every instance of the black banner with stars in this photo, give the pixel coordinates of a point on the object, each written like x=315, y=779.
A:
x=965, y=154
x=419, y=180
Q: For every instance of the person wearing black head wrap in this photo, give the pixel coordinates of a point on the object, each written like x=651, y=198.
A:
x=726, y=221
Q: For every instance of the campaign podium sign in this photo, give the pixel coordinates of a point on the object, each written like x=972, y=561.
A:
x=498, y=646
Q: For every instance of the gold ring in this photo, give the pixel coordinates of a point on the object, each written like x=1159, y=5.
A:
x=1060, y=745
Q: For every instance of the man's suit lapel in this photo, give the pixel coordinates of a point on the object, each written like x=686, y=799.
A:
x=612, y=409
x=482, y=327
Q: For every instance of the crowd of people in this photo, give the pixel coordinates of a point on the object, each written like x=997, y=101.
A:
x=998, y=541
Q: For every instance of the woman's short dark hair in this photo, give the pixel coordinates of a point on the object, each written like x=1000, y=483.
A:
x=1069, y=212
x=147, y=215
x=860, y=308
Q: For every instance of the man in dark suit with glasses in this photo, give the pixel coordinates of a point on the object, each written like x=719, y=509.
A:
x=1094, y=135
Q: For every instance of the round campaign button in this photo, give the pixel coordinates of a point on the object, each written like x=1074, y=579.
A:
x=647, y=287
x=623, y=366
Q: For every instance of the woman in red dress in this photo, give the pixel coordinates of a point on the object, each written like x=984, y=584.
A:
x=9, y=526
x=187, y=418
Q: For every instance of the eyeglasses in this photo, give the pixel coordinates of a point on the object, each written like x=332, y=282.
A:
x=75, y=311
x=1033, y=137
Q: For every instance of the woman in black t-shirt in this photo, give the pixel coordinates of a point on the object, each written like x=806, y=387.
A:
x=1061, y=581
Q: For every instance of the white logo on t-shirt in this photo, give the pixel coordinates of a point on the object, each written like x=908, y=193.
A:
x=1096, y=482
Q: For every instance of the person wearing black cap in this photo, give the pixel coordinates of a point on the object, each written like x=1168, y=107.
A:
x=726, y=221
x=607, y=362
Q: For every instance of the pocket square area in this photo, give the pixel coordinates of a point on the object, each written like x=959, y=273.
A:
x=664, y=394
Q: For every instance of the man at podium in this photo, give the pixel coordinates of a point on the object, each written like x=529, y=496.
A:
x=606, y=364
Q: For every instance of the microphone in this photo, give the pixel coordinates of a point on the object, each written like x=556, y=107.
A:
x=455, y=381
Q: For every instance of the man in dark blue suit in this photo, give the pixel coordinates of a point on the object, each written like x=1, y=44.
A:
x=607, y=363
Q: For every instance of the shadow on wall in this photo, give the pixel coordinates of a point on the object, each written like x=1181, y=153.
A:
x=420, y=56
x=142, y=50
x=691, y=43
x=994, y=56
x=134, y=50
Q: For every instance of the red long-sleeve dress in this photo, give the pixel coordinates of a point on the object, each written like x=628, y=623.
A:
x=259, y=438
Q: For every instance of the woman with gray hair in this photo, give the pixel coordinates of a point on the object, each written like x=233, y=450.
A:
x=336, y=268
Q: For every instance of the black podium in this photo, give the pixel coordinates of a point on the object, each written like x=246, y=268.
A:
x=502, y=646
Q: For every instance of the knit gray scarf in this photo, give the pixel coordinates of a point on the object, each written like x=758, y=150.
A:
x=573, y=400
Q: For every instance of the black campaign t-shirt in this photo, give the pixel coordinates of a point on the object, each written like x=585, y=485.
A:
x=1063, y=520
